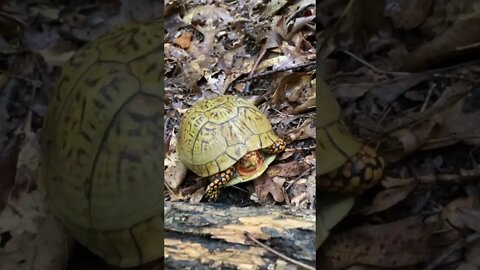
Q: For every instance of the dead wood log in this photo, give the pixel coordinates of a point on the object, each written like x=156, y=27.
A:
x=212, y=236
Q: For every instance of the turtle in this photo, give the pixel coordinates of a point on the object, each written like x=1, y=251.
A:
x=102, y=164
x=228, y=139
x=344, y=164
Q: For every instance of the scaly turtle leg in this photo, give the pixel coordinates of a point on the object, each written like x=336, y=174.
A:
x=277, y=147
x=217, y=181
x=359, y=173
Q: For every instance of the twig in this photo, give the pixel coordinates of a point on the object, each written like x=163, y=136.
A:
x=13, y=17
x=435, y=72
x=171, y=191
x=278, y=253
x=198, y=184
x=268, y=73
x=462, y=176
x=298, y=178
x=250, y=75
x=429, y=95
x=373, y=67
x=456, y=246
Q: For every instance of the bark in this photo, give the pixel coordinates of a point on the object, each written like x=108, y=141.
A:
x=212, y=236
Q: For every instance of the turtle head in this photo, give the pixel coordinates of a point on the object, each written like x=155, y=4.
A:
x=249, y=163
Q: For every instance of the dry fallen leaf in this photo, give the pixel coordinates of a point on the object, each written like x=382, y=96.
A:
x=388, y=198
x=48, y=248
x=264, y=185
x=412, y=139
x=463, y=213
x=175, y=171
x=35, y=237
x=54, y=56
x=305, y=131
x=288, y=169
x=463, y=33
x=184, y=40
x=408, y=14
x=385, y=245
x=290, y=87
x=459, y=124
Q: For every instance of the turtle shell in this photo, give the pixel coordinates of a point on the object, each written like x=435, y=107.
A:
x=215, y=133
x=335, y=144
x=102, y=161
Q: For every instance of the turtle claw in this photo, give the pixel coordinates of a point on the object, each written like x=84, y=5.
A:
x=218, y=180
x=277, y=147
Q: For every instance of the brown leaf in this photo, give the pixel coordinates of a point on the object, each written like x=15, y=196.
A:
x=305, y=131
x=308, y=105
x=56, y=54
x=264, y=185
x=458, y=123
x=175, y=171
x=408, y=14
x=48, y=248
x=390, y=90
x=389, y=197
x=463, y=213
x=289, y=169
x=385, y=245
x=290, y=87
x=273, y=6
x=417, y=129
x=411, y=139
x=448, y=46
x=350, y=92
x=184, y=40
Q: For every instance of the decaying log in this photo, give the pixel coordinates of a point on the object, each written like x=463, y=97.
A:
x=212, y=236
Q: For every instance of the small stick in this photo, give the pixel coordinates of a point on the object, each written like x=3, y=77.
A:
x=278, y=253
x=373, y=67
x=462, y=176
x=268, y=73
x=429, y=95
x=262, y=54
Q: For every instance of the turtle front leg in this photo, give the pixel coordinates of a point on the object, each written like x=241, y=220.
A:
x=277, y=147
x=217, y=181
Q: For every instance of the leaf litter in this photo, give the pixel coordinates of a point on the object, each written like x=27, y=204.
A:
x=406, y=75
x=215, y=49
